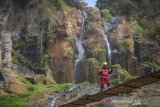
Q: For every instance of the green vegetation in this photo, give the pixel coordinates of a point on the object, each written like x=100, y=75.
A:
x=122, y=75
x=95, y=62
x=146, y=12
x=117, y=6
x=127, y=76
x=151, y=64
x=5, y=70
x=141, y=31
x=15, y=57
x=56, y=4
x=34, y=91
x=125, y=44
x=15, y=51
x=116, y=66
x=76, y=3
x=94, y=15
x=102, y=55
x=68, y=52
x=106, y=14
x=85, y=83
x=2, y=70
x=20, y=100
x=88, y=27
x=50, y=80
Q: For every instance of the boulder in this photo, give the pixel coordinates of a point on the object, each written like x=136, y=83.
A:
x=11, y=83
x=17, y=88
x=39, y=79
x=2, y=92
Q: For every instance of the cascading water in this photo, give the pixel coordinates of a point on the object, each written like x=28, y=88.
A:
x=57, y=99
x=80, y=49
x=79, y=57
x=107, y=27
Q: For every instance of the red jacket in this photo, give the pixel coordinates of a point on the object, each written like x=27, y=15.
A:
x=104, y=73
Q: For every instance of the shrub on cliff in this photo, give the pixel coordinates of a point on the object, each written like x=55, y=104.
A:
x=68, y=52
x=122, y=45
x=106, y=14
x=120, y=75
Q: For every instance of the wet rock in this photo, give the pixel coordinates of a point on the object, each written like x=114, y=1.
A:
x=149, y=95
x=86, y=71
x=58, y=99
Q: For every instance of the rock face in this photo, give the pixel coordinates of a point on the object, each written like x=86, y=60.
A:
x=129, y=62
x=36, y=33
x=0, y=56
x=133, y=59
x=5, y=36
x=10, y=83
x=72, y=94
x=93, y=38
x=17, y=24
x=122, y=31
x=149, y=95
x=93, y=43
x=68, y=23
x=87, y=71
x=147, y=51
x=68, y=26
x=34, y=36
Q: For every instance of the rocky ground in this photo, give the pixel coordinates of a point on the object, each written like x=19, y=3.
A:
x=147, y=96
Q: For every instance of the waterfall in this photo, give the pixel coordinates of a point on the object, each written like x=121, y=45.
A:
x=107, y=45
x=107, y=27
x=80, y=49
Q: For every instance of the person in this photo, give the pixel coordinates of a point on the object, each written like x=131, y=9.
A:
x=104, y=76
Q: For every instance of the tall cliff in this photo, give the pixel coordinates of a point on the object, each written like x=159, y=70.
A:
x=135, y=41
x=38, y=37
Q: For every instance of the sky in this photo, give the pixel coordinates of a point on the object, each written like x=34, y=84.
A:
x=91, y=3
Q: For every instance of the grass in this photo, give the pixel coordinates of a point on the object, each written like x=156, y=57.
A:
x=68, y=52
x=56, y=5
x=125, y=44
x=50, y=80
x=2, y=70
x=121, y=78
x=102, y=55
x=20, y=100
x=106, y=14
x=116, y=66
x=85, y=83
x=34, y=91
x=152, y=65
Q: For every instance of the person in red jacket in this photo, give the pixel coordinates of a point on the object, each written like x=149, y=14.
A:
x=104, y=76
